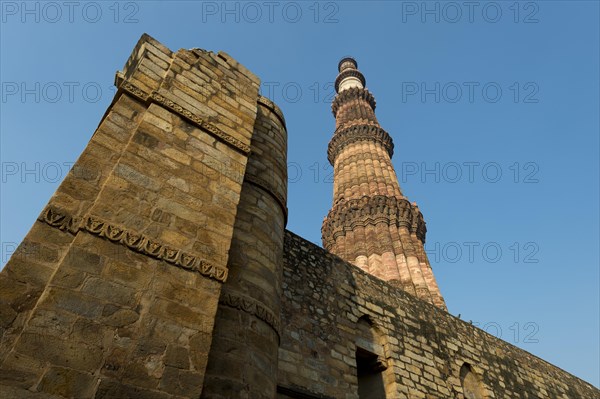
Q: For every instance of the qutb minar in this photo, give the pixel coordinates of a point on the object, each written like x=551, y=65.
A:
x=372, y=224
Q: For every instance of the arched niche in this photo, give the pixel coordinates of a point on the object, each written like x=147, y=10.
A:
x=471, y=383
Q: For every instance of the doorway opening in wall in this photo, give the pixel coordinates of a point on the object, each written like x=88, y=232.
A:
x=370, y=377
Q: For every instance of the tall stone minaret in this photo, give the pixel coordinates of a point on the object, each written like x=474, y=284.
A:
x=371, y=223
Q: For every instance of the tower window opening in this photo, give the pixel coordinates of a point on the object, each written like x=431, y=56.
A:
x=370, y=360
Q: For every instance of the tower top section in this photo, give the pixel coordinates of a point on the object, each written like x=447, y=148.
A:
x=349, y=76
x=347, y=62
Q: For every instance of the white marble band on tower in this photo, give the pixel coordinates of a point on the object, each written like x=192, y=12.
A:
x=349, y=75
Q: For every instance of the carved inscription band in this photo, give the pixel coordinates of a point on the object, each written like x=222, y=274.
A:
x=252, y=307
x=158, y=99
x=135, y=241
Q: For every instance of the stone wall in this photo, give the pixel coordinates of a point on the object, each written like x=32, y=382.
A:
x=114, y=291
x=419, y=351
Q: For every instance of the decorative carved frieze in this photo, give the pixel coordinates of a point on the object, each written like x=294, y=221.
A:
x=60, y=220
x=350, y=94
x=134, y=90
x=159, y=99
x=356, y=133
x=346, y=215
x=252, y=307
x=135, y=241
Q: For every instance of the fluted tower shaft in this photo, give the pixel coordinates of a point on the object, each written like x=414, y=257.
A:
x=371, y=223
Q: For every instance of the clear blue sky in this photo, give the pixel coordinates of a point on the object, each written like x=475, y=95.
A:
x=499, y=102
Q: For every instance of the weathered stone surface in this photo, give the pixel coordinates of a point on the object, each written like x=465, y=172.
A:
x=66, y=353
x=68, y=383
x=118, y=317
x=12, y=392
x=178, y=357
x=7, y=315
x=21, y=371
x=181, y=382
x=110, y=389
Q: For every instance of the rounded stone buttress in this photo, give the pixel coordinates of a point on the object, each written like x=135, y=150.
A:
x=244, y=350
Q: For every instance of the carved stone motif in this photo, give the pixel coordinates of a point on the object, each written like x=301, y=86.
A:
x=59, y=220
x=135, y=241
x=252, y=307
x=158, y=99
x=134, y=90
